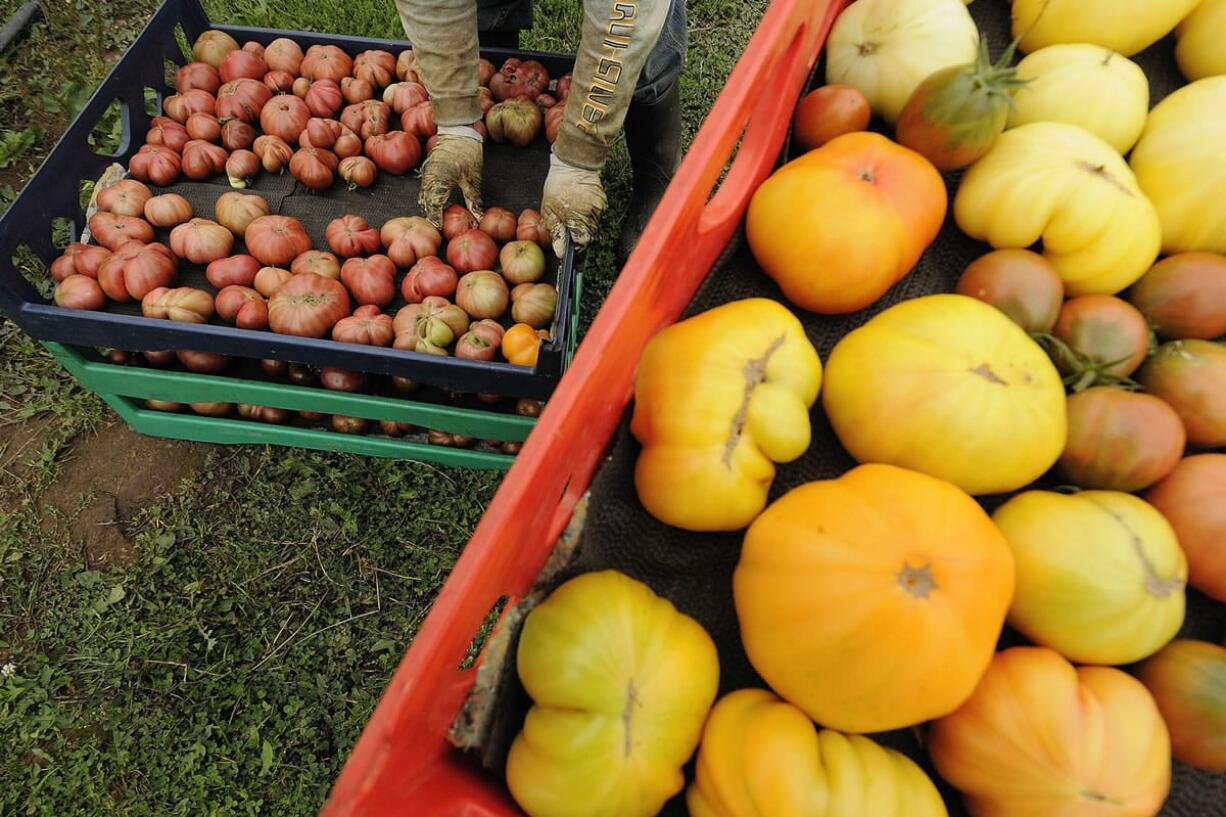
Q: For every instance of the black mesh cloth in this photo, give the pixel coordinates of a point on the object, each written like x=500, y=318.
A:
x=694, y=570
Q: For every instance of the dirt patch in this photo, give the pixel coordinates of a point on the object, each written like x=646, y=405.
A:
x=19, y=443
x=108, y=478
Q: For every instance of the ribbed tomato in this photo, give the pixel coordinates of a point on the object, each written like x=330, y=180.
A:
x=395, y=153
x=324, y=98
x=276, y=240
x=313, y=167
x=326, y=62
x=371, y=280
x=113, y=231
x=203, y=160
x=156, y=164
x=197, y=75
x=285, y=116
x=307, y=305
x=201, y=241
x=241, y=99
x=351, y=235
x=367, y=119
x=135, y=270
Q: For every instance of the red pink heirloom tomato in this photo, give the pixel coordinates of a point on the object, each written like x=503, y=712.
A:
x=347, y=144
x=562, y=87
x=349, y=425
x=201, y=241
x=357, y=171
x=276, y=240
x=283, y=54
x=370, y=280
x=498, y=223
x=828, y=112
x=1022, y=284
x=419, y=120
x=376, y=67
x=313, y=167
x=285, y=116
x=212, y=409
x=212, y=47
x=482, y=294
x=263, y=414
x=167, y=210
x=166, y=132
x=409, y=238
x=337, y=379
x=241, y=167
x=401, y=96
x=136, y=269
x=485, y=72
x=531, y=227
x=553, y=122
x=237, y=135
x=236, y=211
x=180, y=106
x=307, y=305
x=66, y=264
x=184, y=304
x=252, y=47
x=242, y=306
x=269, y=279
x=367, y=325
x=274, y=153
x=236, y=269
x=279, y=82
x=113, y=231
x=320, y=133
x=367, y=119
x=350, y=235
x=356, y=90
x=85, y=261
x=407, y=68
x=241, y=64
x=241, y=99
x=203, y=126
x=395, y=153
x=197, y=75
x=157, y=164
x=1120, y=440
x=319, y=262
x=457, y=219
x=527, y=78
x=323, y=98
x=326, y=62
x=124, y=198
x=1193, y=500
x=471, y=250
x=79, y=292
x=474, y=346
x=203, y=160
x=429, y=276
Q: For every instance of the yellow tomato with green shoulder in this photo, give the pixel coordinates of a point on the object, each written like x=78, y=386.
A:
x=1188, y=680
x=621, y=683
x=1061, y=185
x=1100, y=576
x=1199, y=51
x=948, y=385
x=1085, y=85
x=1180, y=164
x=763, y=757
x=1126, y=26
x=1041, y=738
x=720, y=398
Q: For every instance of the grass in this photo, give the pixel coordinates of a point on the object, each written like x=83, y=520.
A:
x=230, y=668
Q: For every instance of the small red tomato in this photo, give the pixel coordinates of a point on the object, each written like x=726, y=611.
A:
x=830, y=111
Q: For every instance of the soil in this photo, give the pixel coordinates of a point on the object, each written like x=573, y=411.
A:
x=107, y=478
x=19, y=442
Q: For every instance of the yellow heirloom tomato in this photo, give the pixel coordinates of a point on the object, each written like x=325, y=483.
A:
x=1064, y=186
x=1202, y=35
x=1180, y=163
x=1100, y=576
x=1085, y=85
x=719, y=399
x=761, y=757
x=949, y=386
x=621, y=684
x=1126, y=26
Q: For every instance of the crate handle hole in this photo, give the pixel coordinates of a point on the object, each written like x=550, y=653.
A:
x=483, y=633
x=106, y=139
x=33, y=268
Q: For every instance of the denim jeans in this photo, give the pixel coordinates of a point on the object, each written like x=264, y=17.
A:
x=663, y=65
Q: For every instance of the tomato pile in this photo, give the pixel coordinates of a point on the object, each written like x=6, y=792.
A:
x=323, y=115
x=1074, y=380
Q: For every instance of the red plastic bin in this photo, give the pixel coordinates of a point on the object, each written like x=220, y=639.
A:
x=402, y=763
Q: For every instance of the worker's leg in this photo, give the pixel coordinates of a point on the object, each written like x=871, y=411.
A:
x=653, y=127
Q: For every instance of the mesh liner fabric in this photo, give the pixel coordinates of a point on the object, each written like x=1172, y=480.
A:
x=513, y=179
x=694, y=570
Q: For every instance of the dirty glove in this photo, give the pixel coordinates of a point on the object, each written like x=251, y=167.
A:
x=456, y=161
x=573, y=203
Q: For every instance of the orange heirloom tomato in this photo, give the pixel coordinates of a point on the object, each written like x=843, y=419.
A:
x=873, y=601
x=720, y=398
x=521, y=344
x=1042, y=737
x=842, y=224
x=762, y=757
x=829, y=112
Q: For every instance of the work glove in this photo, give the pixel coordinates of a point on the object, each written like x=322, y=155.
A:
x=572, y=205
x=456, y=161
